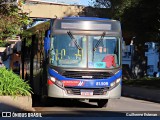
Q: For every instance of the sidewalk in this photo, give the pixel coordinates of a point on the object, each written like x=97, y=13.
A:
x=148, y=94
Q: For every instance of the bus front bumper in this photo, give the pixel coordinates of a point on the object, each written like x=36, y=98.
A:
x=57, y=92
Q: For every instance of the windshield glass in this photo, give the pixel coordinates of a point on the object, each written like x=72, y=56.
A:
x=65, y=51
x=83, y=52
x=106, y=54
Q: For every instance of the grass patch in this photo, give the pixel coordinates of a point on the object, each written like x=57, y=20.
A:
x=11, y=84
x=144, y=82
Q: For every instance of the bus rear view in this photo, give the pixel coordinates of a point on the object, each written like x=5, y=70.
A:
x=85, y=59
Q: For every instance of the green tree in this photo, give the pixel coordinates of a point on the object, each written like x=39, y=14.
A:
x=110, y=6
x=140, y=18
x=13, y=19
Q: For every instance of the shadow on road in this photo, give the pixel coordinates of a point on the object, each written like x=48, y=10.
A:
x=141, y=93
x=55, y=102
x=53, y=107
x=9, y=108
x=78, y=113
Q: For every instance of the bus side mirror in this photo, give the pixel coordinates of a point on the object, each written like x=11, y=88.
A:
x=46, y=44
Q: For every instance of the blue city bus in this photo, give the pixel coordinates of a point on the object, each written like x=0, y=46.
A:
x=81, y=59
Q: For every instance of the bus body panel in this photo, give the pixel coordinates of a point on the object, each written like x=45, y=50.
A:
x=56, y=92
x=84, y=85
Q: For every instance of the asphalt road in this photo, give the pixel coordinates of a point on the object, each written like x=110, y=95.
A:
x=116, y=107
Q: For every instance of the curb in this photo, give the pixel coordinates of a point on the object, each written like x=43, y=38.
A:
x=19, y=103
x=142, y=93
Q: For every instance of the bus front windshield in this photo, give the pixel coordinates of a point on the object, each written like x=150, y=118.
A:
x=82, y=51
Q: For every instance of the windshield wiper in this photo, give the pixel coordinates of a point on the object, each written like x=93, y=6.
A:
x=99, y=41
x=74, y=40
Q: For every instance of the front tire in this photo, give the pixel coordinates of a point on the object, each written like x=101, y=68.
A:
x=102, y=103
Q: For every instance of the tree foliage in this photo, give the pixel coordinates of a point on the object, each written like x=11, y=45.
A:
x=13, y=19
x=140, y=18
x=111, y=7
x=114, y=4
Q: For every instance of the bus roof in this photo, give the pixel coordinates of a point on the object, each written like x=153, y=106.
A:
x=39, y=27
x=86, y=24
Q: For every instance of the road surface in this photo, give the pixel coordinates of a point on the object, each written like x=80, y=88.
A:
x=116, y=107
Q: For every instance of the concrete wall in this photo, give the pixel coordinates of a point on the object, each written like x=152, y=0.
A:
x=52, y=10
x=59, y=10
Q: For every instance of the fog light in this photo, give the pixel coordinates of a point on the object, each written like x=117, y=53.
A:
x=68, y=91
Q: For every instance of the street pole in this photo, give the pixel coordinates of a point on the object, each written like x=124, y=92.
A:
x=132, y=52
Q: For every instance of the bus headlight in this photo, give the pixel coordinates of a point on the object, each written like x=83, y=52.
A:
x=115, y=83
x=55, y=81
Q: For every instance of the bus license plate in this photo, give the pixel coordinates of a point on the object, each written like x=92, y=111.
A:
x=86, y=92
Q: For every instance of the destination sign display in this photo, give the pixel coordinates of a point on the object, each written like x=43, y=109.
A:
x=85, y=26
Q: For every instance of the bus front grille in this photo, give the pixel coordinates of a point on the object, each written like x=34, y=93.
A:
x=86, y=75
x=77, y=91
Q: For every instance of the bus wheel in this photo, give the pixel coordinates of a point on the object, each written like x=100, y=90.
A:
x=44, y=100
x=102, y=103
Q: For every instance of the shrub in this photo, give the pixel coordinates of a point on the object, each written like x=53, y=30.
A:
x=3, y=43
x=11, y=84
x=144, y=82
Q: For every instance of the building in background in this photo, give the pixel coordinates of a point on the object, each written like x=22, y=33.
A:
x=152, y=55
